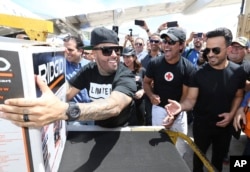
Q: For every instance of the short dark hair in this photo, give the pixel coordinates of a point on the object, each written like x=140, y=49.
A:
x=222, y=31
x=78, y=40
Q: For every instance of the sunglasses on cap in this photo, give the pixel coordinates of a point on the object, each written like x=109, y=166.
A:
x=215, y=50
x=169, y=42
x=107, y=51
x=154, y=41
x=138, y=44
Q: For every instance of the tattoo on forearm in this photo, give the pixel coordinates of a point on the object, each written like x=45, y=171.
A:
x=99, y=110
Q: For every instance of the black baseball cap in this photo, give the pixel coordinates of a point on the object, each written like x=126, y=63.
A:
x=128, y=51
x=175, y=34
x=102, y=35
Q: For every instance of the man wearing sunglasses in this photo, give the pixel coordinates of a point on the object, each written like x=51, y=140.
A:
x=192, y=54
x=155, y=51
x=111, y=87
x=215, y=93
x=170, y=74
x=139, y=48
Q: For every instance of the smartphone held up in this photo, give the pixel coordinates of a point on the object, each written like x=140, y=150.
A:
x=140, y=22
x=198, y=35
x=172, y=24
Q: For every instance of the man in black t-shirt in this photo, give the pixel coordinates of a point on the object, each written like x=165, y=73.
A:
x=170, y=74
x=215, y=93
x=111, y=87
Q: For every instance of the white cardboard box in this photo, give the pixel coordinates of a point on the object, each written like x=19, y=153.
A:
x=22, y=149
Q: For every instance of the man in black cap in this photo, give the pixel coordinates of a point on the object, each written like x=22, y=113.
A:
x=170, y=75
x=111, y=87
x=214, y=94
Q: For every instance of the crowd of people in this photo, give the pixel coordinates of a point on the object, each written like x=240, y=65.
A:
x=164, y=80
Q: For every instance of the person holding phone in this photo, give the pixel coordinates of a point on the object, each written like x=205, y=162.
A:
x=137, y=44
x=130, y=39
x=162, y=27
x=167, y=25
x=144, y=26
x=192, y=54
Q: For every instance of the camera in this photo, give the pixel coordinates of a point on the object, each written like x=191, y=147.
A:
x=130, y=32
x=116, y=29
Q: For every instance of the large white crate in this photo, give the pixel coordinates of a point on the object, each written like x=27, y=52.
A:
x=33, y=149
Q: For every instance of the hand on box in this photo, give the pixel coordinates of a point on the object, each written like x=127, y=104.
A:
x=34, y=112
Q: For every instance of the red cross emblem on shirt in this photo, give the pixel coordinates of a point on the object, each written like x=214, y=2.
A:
x=169, y=76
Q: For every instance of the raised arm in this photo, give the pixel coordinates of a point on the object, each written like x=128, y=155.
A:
x=49, y=108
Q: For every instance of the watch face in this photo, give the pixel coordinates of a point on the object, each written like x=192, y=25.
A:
x=75, y=112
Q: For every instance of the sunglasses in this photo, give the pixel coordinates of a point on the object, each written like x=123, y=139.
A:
x=154, y=41
x=169, y=42
x=215, y=50
x=107, y=51
x=138, y=44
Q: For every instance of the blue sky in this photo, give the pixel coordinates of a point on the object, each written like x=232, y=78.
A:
x=201, y=21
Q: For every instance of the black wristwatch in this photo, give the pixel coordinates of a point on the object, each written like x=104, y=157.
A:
x=73, y=112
